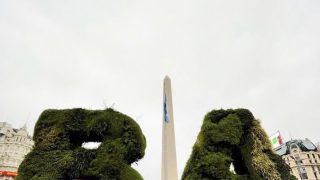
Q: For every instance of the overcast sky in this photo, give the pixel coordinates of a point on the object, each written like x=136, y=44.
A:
x=260, y=55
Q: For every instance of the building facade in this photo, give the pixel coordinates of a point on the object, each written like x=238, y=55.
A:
x=14, y=145
x=303, y=157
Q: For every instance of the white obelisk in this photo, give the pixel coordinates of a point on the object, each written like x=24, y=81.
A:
x=169, y=161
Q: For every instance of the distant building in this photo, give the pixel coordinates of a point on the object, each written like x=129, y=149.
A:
x=14, y=145
x=303, y=157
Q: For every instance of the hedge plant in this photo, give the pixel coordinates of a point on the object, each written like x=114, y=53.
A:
x=234, y=136
x=58, y=151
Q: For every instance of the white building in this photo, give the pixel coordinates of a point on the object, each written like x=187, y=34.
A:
x=303, y=157
x=14, y=145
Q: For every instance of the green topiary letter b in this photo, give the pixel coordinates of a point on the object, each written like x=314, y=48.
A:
x=58, y=154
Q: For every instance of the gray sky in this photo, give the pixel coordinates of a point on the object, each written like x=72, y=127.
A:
x=260, y=55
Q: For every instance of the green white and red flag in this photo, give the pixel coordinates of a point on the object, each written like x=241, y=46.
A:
x=276, y=140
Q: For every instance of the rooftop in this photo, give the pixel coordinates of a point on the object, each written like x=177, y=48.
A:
x=304, y=145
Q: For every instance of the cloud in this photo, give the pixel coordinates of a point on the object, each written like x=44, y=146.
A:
x=260, y=55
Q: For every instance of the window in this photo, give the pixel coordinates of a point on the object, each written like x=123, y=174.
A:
x=308, y=156
x=313, y=156
x=294, y=146
x=297, y=159
x=301, y=169
x=308, y=144
x=303, y=176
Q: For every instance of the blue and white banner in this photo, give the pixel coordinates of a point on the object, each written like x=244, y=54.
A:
x=165, y=109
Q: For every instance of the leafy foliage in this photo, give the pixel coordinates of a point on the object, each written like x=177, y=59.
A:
x=234, y=136
x=58, y=154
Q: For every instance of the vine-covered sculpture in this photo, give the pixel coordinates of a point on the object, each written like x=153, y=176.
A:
x=234, y=137
x=58, y=151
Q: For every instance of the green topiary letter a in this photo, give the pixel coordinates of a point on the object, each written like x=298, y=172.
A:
x=234, y=136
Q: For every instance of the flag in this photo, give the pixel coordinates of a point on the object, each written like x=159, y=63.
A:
x=276, y=140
